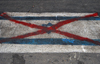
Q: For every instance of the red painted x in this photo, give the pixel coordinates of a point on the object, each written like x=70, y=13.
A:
x=53, y=28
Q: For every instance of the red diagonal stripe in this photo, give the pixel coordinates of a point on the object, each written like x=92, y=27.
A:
x=76, y=37
x=72, y=20
x=23, y=36
x=21, y=22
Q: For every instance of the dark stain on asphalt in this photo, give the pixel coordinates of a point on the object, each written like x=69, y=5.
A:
x=80, y=62
x=18, y=59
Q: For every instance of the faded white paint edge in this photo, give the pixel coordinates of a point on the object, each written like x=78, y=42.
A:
x=46, y=14
x=25, y=48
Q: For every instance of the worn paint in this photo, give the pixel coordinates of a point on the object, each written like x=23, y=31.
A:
x=50, y=29
x=49, y=18
x=59, y=41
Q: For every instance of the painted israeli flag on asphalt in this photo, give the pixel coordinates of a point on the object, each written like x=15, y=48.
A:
x=49, y=30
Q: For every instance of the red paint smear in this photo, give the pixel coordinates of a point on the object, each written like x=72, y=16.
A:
x=20, y=22
x=77, y=37
x=52, y=28
x=72, y=20
x=23, y=36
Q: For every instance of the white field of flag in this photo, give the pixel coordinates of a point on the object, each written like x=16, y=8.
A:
x=82, y=28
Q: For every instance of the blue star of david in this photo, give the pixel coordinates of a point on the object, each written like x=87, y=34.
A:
x=48, y=25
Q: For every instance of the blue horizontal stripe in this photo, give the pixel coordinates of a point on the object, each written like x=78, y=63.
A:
x=50, y=18
x=58, y=41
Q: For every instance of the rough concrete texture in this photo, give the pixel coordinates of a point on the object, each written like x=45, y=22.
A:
x=17, y=48
x=50, y=58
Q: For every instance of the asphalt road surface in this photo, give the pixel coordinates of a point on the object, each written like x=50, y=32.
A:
x=50, y=6
x=50, y=58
